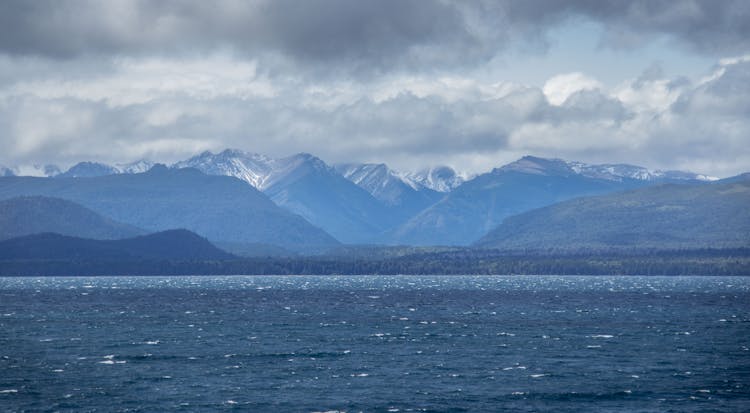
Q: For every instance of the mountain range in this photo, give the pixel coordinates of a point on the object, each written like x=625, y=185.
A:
x=669, y=216
x=220, y=208
x=356, y=203
x=300, y=203
x=400, y=193
x=79, y=170
x=434, y=206
x=91, y=169
x=482, y=203
x=305, y=185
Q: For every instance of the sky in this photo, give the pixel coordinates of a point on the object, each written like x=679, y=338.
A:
x=412, y=83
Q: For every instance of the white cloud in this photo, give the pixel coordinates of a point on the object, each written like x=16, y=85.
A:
x=131, y=81
x=168, y=109
x=734, y=60
x=558, y=88
x=649, y=96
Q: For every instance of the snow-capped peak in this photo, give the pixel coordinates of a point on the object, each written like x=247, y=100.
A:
x=612, y=172
x=91, y=169
x=439, y=178
x=379, y=180
x=625, y=171
x=252, y=168
x=375, y=177
x=368, y=175
x=79, y=170
x=134, y=167
x=300, y=159
x=538, y=166
x=88, y=169
x=258, y=170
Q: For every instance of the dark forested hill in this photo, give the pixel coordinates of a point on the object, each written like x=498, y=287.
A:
x=180, y=245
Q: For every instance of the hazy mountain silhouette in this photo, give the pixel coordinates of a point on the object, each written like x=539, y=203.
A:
x=179, y=245
x=220, y=208
x=36, y=214
x=711, y=215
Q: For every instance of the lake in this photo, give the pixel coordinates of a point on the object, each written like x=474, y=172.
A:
x=375, y=343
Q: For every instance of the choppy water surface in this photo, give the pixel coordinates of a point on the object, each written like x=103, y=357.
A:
x=431, y=343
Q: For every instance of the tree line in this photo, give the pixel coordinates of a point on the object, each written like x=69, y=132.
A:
x=481, y=262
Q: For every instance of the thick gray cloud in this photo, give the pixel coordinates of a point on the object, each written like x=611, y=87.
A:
x=397, y=81
x=708, y=26
x=655, y=121
x=355, y=36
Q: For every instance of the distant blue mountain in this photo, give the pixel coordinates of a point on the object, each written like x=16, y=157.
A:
x=304, y=184
x=403, y=196
x=36, y=214
x=439, y=178
x=482, y=203
x=307, y=186
x=738, y=178
x=669, y=216
x=252, y=168
x=92, y=169
x=221, y=208
x=356, y=203
x=88, y=170
x=179, y=245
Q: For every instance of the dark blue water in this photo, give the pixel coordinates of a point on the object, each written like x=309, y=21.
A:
x=433, y=343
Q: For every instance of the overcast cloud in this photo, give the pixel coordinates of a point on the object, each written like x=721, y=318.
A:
x=410, y=83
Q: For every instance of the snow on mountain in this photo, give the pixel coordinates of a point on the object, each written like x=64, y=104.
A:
x=439, y=178
x=252, y=168
x=482, y=203
x=89, y=170
x=537, y=166
x=611, y=172
x=371, y=176
x=258, y=170
x=286, y=171
x=136, y=167
x=220, y=208
x=307, y=186
x=383, y=183
x=92, y=169
x=401, y=195
x=620, y=171
x=379, y=180
x=81, y=169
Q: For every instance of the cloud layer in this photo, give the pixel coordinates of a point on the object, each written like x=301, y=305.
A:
x=386, y=34
x=390, y=81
